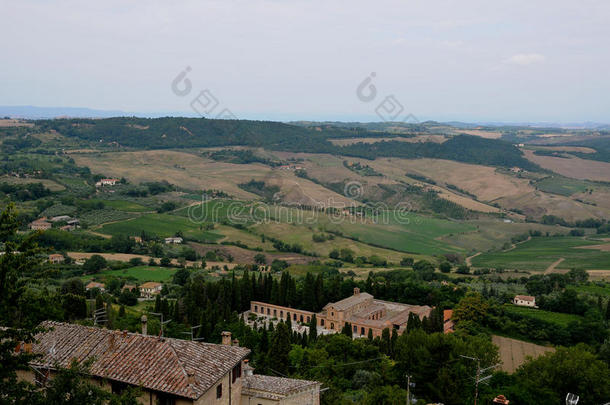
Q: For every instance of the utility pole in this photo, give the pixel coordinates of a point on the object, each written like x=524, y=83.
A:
x=479, y=375
x=408, y=389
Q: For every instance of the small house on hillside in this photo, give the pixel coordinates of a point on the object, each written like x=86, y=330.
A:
x=525, y=301
x=129, y=287
x=56, y=258
x=108, y=182
x=173, y=240
x=40, y=224
x=95, y=284
x=150, y=288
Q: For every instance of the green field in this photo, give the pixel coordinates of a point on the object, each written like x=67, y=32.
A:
x=123, y=205
x=562, y=185
x=415, y=234
x=162, y=225
x=595, y=290
x=218, y=211
x=553, y=317
x=539, y=253
x=139, y=273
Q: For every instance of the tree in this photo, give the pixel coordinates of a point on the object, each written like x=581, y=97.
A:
x=280, y=348
x=547, y=379
x=445, y=267
x=473, y=307
x=94, y=264
x=181, y=276
x=260, y=259
x=313, y=328
x=347, y=329
x=463, y=269
x=165, y=261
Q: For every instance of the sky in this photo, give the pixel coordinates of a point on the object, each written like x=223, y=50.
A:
x=467, y=60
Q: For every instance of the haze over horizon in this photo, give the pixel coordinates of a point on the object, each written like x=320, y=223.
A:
x=470, y=61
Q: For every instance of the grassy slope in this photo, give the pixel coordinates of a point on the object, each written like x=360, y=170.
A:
x=554, y=317
x=141, y=273
x=163, y=225
x=539, y=253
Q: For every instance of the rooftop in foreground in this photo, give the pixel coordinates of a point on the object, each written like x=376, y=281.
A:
x=179, y=367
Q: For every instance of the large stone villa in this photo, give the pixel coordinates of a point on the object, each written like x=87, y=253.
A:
x=168, y=371
x=361, y=310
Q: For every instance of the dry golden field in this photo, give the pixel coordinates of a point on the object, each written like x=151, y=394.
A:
x=573, y=167
x=418, y=138
x=514, y=352
x=191, y=171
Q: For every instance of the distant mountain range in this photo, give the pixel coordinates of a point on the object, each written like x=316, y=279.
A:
x=34, y=112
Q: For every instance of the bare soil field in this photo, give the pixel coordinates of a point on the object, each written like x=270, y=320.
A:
x=481, y=133
x=537, y=203
x=14, y=123
x=418, y=138
x=483, y=181
x=514, y=352
x=194, y=172
x=574, y=167
x=604, y=247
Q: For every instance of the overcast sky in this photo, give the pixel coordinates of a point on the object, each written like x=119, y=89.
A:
x=462, y=60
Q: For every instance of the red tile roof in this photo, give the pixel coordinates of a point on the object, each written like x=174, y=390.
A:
x=179, y=367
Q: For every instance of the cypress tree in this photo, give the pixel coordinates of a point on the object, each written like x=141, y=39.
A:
x=280, y=349
x=313, y=329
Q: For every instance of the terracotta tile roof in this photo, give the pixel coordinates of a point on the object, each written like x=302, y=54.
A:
x=150, y=284
x=525, y=297
x=179, y=367
x=276, y=385
x=349, y=301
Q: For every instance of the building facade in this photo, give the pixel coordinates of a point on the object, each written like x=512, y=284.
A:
x=167, y=371
x=361, y=310
x=525, y=301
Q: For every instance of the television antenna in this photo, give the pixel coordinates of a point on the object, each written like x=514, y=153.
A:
x=162, y=321
x=480, y=376
x=192, y=333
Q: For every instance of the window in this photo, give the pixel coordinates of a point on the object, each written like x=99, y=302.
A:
x=294, y=317
x=118, y=387
x=332, y=314
x=308, y=319
x=219, y=391
x=355, y=329
x=321, y=322
x=236, y=372
x=282, y=314
x=256, y=308
x=164, y=399
x=362, y=331
x=332, y=325
x=301, y=318
x=275, y=312
x=268, y=311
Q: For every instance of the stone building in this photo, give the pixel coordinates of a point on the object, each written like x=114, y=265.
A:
x=168, y=371
x=361, y=310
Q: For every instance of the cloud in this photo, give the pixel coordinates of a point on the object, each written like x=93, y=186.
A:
x=525, y=59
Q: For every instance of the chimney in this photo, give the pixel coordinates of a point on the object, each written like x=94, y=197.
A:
x=111, y=341
x=144, y=325
x=356, y=290
x=226, y=338
x=248, y=369
x=190, y=378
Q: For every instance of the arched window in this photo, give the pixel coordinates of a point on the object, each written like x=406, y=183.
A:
x=362, y=331
x=332, y=326
x=275, y=312
x=301, y=318
x=268, y=311
x=282, y=314
x=256, y=308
